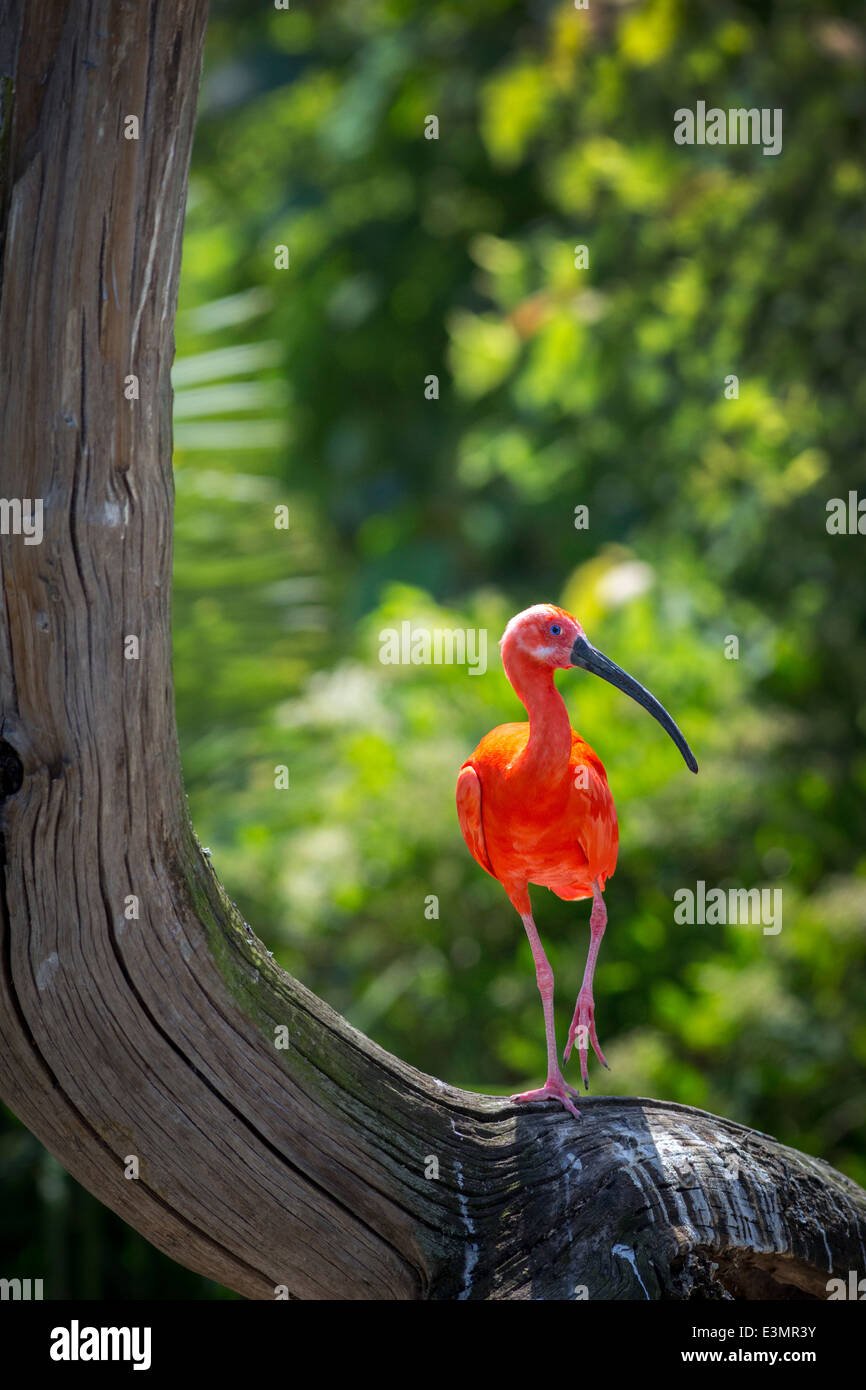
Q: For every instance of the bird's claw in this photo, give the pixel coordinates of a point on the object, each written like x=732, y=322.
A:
x=583, y=1031
x=554, y=1088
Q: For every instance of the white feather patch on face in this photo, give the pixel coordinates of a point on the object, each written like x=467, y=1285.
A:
x=545, y=651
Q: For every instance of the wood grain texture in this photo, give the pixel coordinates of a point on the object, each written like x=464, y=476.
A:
x=260, y=1167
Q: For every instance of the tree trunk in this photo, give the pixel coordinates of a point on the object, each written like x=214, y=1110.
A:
x=307, y=1171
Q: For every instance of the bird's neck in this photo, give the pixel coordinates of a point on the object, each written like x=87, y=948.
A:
x=549, y=748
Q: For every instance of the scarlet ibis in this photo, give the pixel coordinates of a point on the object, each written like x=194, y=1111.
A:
x=534, y=807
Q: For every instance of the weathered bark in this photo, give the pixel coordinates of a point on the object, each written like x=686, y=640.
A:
x=155, y=1037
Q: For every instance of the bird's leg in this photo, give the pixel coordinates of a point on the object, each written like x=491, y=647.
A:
x=583, y=1024
x=555, y=1087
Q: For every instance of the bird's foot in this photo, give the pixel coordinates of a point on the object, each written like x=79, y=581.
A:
x=582, y=1031
x=554, y=1088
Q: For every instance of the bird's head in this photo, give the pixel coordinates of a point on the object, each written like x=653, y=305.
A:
x=543, y=635
x=548, y=636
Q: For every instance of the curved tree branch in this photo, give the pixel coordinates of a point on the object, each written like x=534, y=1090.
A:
x=306, y=1168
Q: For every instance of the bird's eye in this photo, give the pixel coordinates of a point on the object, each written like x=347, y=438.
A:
x=555, y=630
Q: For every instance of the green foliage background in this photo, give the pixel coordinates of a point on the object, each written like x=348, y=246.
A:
x=559, y=387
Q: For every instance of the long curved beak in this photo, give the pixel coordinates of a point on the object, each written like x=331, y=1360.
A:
x=589, y=658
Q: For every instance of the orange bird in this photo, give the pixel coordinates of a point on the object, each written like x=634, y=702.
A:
x=534, y=807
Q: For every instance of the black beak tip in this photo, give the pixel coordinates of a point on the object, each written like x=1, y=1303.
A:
x=589, y=658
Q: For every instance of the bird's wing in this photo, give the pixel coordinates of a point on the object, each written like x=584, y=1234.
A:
x=597, y=830
x=469, y=814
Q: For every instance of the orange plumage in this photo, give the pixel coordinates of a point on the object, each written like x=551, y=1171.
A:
x=560, y=832
x=534, y=805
